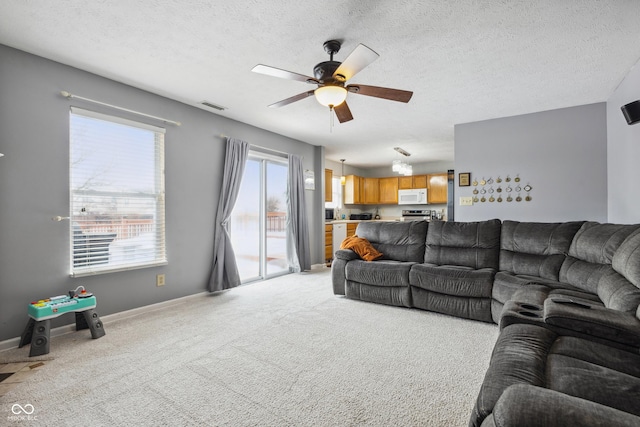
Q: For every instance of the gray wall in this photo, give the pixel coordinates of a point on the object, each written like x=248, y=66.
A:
x=623, y=154
x=561, y=153
x=34, y=187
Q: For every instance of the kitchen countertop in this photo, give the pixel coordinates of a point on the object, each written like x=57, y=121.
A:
x=346, y=221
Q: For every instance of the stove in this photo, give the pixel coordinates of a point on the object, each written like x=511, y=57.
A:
x=418, y=215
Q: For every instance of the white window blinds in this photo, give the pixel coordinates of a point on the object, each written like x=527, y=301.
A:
x=116, y=194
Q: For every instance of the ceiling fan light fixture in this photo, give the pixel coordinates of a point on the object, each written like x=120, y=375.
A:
x=330, y=96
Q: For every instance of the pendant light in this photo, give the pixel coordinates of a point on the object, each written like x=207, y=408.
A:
x=343, y=178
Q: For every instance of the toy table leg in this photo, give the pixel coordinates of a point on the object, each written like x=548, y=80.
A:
x=36, y=333
x=89, y=319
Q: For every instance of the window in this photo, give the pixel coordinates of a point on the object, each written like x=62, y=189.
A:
x=336, y=194
x=116, y=194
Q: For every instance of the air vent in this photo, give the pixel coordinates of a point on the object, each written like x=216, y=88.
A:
x=214, y=106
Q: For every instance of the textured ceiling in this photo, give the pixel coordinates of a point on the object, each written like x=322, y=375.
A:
x=465, y=60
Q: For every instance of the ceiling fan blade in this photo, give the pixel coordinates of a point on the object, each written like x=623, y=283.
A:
x=343, y=113
x=283, y=74
x=355, y=62
x=381, y=92
x=292, y=99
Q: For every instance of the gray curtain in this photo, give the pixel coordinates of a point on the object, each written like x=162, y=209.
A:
x=224, y=274
x=298, y=253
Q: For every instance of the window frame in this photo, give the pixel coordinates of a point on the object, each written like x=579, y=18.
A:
x=79, y=250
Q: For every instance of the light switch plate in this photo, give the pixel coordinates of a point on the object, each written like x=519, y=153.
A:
x=466, y=201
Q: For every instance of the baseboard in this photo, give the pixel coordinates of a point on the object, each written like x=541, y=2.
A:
x=65, y=329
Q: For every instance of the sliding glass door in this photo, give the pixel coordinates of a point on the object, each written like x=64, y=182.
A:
x=258, y=221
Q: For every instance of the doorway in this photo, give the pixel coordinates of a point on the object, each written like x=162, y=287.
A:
x=259, y=218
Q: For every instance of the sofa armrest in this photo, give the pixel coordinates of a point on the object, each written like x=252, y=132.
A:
x=524, y=405
x=594, y=320
x=346, y=254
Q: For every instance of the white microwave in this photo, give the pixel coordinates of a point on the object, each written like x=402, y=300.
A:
x=416, y=196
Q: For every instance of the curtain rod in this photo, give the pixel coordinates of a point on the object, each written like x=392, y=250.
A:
x=260, y=148
x=72, y=96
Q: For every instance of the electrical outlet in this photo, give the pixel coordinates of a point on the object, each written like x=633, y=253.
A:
x=466, y=201
x=160, y=280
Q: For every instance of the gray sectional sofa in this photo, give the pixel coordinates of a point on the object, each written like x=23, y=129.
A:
x=566, y=297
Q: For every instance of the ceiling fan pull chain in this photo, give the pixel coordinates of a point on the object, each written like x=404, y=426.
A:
x=330, y=118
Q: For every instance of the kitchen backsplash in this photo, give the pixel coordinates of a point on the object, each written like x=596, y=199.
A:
x=385, y=212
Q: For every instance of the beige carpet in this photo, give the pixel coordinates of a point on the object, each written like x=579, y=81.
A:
x=284, y=352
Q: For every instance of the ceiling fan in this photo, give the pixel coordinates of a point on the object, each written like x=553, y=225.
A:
x=331, y=76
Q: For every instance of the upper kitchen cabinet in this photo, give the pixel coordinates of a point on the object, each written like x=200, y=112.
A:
x=371, y=190
x=353, y=190
x=411, y=182
x=328, y=185
x=388, y=190
x=437, y=188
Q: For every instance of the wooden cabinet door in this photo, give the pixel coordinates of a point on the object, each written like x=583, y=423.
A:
x=328, y=242
x=328, y=185
x=388, y=188
x=353, y=190
x=351, y=228
x=371, y=190
x=437, y=188
x=405, y=182
x=420, y=181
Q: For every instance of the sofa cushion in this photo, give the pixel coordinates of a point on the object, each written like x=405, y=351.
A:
x=596, y=243
x=519, y=357
x=577, y=377
x=399, y=241
x=530, y=354
x=362, y=247
x=529, y=406
x=588, y=265
x=378, y=273
x=626, y=260
x=506, y=285
x=467, y=244
x=534, y=248
x=453, y=280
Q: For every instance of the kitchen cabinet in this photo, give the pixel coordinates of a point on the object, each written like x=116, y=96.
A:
x=437, y=188
x=328, y=242
x=405, y=182
x=339, y=234
x=388, y=190
x=420, y=181
x=411, y=182
x=353, y=190
x=328, y=185
x=351, y=228
x=371, y=191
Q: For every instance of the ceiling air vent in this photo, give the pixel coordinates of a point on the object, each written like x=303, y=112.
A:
x=214, y=106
